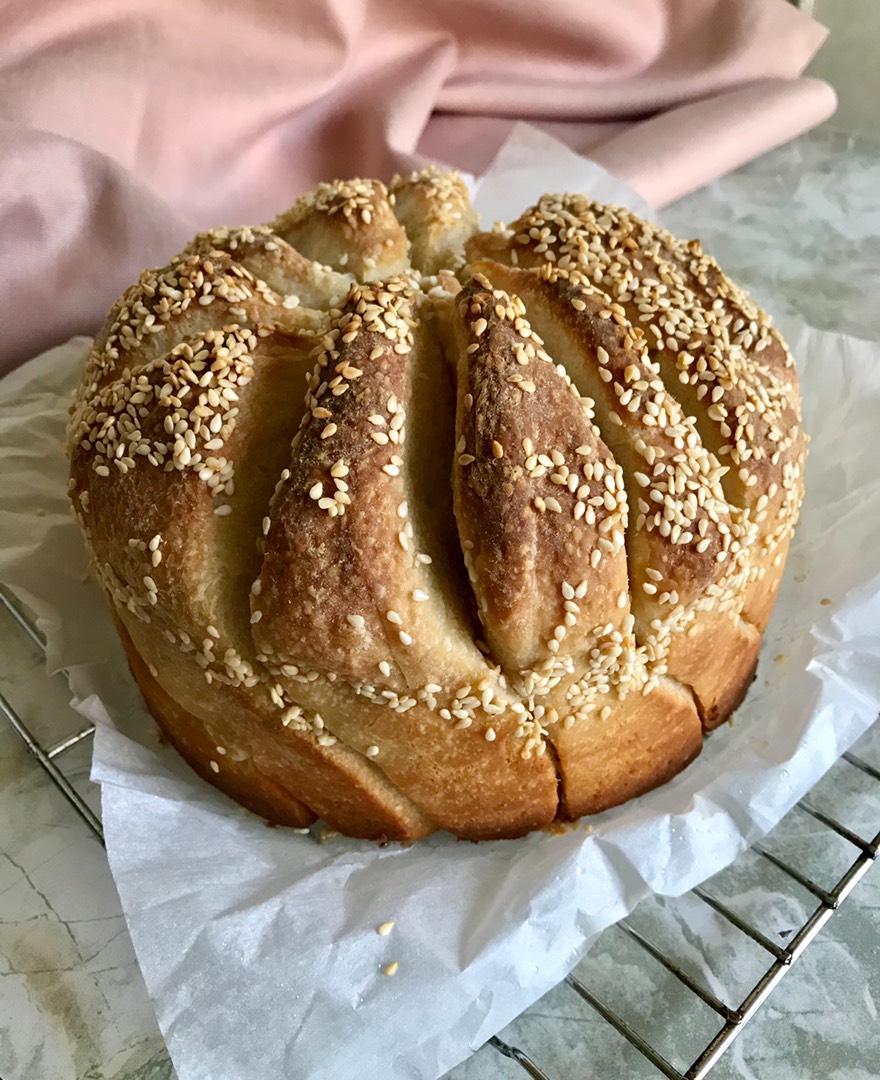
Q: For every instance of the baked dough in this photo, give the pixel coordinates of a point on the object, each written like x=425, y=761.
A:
x=411, y=527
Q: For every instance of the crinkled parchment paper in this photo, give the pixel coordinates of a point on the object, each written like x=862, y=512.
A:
x=259, y=945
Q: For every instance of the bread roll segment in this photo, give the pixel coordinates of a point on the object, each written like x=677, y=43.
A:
x=408, y=544
x=542, y=512
x=687, y=550
x=716, y=349
x=435, y=209
x=349, y=610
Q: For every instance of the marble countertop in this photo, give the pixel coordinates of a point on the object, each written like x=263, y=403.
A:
x=805, y=237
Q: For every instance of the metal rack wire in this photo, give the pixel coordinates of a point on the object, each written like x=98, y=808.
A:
x=778, y=959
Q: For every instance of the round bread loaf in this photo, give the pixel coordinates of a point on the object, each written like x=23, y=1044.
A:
x=412, y=527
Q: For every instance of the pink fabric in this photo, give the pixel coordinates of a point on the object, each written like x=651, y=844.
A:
x=125, y=126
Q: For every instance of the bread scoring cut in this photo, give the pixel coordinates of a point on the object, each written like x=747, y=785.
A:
x=411, y=527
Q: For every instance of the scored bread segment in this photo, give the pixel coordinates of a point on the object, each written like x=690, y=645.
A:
x=715, y=347
x=171, y=470
x=298, y=280
x=177, y=303
x=688, y=552
x=435, y=209
x=348, y=225
x=356, y=603
x=383, y=554
x=542, y=512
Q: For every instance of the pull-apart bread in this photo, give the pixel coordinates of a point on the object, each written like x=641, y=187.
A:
x=409, y=527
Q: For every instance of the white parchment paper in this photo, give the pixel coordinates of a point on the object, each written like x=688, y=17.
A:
x=258, y=945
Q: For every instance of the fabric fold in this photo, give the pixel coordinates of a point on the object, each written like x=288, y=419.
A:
x=119, y=137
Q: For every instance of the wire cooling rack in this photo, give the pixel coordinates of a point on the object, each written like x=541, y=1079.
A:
x=729, y=1018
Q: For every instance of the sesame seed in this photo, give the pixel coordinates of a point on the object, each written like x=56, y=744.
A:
x=214, y=766
x=385, y=929
x=497, y=449
x=391, y=969
x=372, y=751
x=256, y=616
x=329, y=430
x=419, y=595
x=490, y=735
x=405, y=638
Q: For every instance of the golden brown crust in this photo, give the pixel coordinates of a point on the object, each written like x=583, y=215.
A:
x=345, y=593
x=381, y=553
x=536, y=489
x=288, y=776
x=236, y=776
x=715, y=347
x=639, y=744
x=687, y=558
x=436, y=212
x=297, y=280
x=350, y=226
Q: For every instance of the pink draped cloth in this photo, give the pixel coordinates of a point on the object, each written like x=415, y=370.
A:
x=125, y=125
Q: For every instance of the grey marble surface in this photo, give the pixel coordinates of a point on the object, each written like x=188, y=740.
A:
x=801, y=227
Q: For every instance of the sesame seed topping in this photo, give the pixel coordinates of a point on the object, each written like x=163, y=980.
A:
x=386, y=927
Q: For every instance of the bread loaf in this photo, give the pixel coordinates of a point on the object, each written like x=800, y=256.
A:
x=411, y=527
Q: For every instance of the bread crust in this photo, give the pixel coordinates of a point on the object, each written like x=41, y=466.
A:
x=407, y=544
